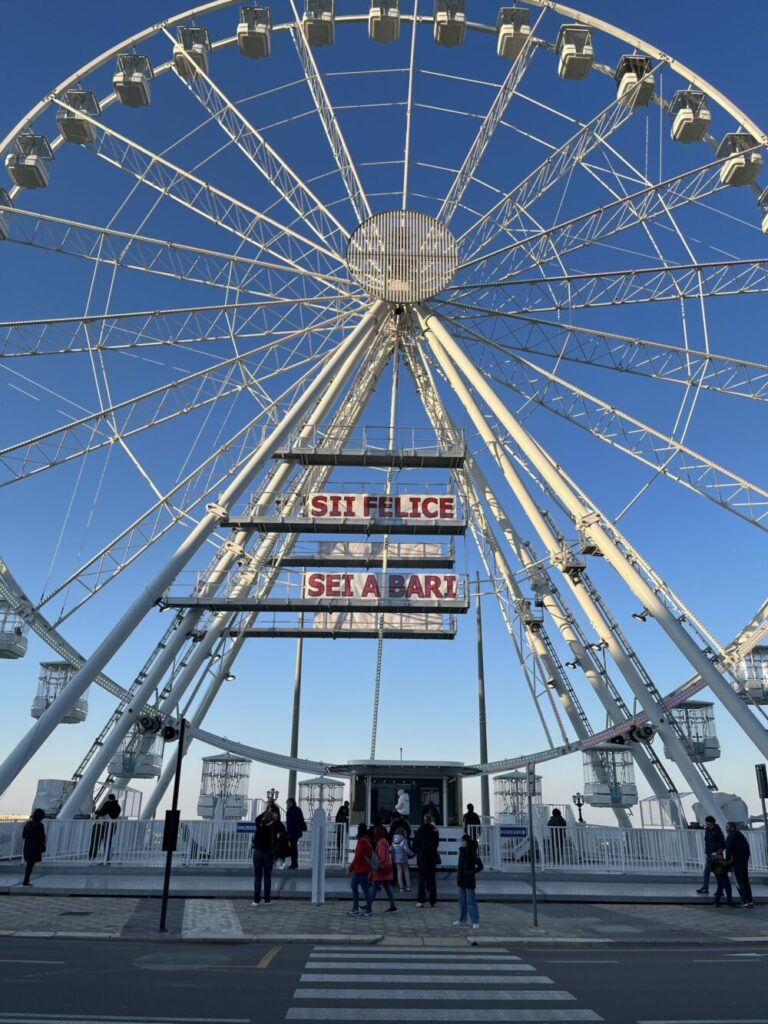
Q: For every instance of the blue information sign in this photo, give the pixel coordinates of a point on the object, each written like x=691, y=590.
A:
x=246, y=826
x=513, y=831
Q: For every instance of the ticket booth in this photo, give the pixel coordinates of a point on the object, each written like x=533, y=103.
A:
x=434, y=789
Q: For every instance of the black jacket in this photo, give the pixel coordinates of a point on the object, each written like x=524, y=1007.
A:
x=342, y=815
x=267, y=836
x=33, y=835
x=109, y=809
x=714, y=839
x=472, y=818
x=425, y=843
x=469, y=865
x=737, y=848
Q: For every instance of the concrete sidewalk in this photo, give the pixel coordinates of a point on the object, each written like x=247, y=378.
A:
x=235, y=884
x=111, y=918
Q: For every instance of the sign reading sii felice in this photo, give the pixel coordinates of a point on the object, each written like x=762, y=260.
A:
x=374, y=586
x=324, y=505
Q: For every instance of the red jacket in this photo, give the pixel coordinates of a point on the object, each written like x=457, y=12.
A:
x=361, y=862
x=384, y=872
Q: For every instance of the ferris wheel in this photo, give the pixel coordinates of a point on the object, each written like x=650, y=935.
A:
x=252, y=215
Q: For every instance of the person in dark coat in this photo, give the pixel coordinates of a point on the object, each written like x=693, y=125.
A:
x=264, y=844
x=468, y=867
x=556, y=837
x=342, y=818
x=33, y=835
x=737, y=852
x=714, y=842
x=720, y=868
x=426, y=843
x=471, y=820
x=294, y=827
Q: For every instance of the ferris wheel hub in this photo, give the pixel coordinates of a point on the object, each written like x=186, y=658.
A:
x=402, y=256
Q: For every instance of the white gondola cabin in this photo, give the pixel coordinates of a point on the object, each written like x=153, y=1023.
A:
x=752, y=672
x=450, y=22
x=319, y=22
x=384, y=21
x=510, y=794
x=512, y=31
x=5, y=200
x=28, y=163
x=634, y=81
x=13, y=633
x=224, y=787
x=254, y=32
x=742, y=161
x=575, y=53
x=696, y=718
x=190, y=53
x=691, y=117
x=132, y=80
x=322, y=793
x=54, y=676
x=762, y=202
x=73, y=126
x=609, y=777
x=140, y=756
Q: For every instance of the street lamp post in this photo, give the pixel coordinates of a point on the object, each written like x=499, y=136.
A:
x=578, y=800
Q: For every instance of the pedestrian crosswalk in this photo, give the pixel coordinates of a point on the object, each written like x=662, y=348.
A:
x=413, y=983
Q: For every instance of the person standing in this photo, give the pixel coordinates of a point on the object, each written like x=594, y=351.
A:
x=401, y=851
x=714, y=842
x=109, y=809
x=264, y=845
x=342, y=824
x=468, y=867
x=382, y=875
x=426, y=843
x=720, y=868
x=737, y=851
x=403, y=805
x=556, y=837
x=360, y=867
x=33, y=835
x=294, y=827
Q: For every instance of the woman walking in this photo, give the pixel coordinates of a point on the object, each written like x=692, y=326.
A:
x=361, y=866
x=401, y=851
x=382, y=875
x=33, y=835
x=469, y=866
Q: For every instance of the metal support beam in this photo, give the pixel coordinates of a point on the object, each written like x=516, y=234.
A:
x=296, y=715
x=485, y=793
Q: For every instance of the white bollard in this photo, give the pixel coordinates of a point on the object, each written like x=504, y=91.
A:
x=319, y=838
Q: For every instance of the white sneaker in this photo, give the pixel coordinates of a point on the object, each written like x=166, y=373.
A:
x=458, y=922
x=475, y=927
x=255, y=904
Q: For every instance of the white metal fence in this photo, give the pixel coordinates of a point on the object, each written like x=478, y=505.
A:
x=592, y=850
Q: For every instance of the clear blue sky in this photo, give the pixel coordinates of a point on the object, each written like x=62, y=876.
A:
x=428, y=706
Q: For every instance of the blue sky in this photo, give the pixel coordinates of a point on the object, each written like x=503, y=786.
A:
x=428, y=703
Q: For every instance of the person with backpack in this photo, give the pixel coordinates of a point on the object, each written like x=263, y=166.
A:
x=382, y=876
x=720, y=867
x=363, y=862
x=264, y=845
x=401, y=851
x=468, y=867
x=714, y=842
x=426, y=843
x=33, y=835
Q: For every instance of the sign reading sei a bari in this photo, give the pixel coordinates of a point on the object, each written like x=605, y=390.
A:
x=374, y=586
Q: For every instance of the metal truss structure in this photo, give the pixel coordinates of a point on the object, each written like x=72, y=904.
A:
x=231, y=297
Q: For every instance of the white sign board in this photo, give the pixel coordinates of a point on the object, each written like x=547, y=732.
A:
x=325, y=505
x=375, y=586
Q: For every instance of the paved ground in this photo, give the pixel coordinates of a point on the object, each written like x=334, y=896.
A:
x=150, y=982
x=294, y=920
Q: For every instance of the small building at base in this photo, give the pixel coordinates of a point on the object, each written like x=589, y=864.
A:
x=434, y=789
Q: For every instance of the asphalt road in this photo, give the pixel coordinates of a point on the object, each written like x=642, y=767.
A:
x=86, y=982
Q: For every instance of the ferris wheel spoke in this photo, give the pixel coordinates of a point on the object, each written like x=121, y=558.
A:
x=155, y=256
x=641, y=285
x=329, y=121
x=557, y=165
x=179, y=327
x=664, y=454
x=272, y=238
x=711, y=371
x=641, y=207
x=264, y=157
x=488, y=127
x=177, y=505
x=160, y=405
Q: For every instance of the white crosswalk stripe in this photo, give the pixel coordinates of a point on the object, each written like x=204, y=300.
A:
x=411, y=984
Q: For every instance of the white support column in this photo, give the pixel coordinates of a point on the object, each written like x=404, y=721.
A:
x=117, y=636
x=452, y=359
